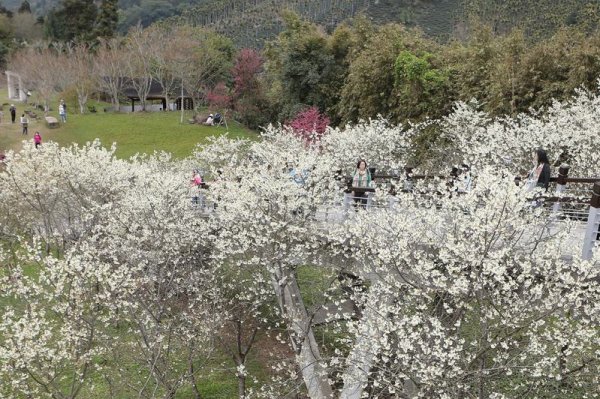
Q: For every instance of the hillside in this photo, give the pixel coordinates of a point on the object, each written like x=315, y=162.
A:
x=250, y=22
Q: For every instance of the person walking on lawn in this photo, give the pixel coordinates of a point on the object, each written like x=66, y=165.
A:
x=37, y=139
x=24, y=124
x=62, y=111
x=13, y=112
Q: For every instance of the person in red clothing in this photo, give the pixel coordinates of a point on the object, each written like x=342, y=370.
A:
x=197, y=179
x=37, y=139
x=196, y=183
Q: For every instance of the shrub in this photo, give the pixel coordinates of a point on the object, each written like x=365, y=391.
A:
x=309, y=124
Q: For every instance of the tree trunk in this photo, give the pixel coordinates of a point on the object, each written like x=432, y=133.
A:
x=241, y=386
x=308, y=357
x=115, y=100
x=82, y=100
x=181, y=121
x=192, y=377
x=365, y=349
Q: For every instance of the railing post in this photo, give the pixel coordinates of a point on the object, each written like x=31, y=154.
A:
x=561, y=185
x=408, y=184
x=453, y=180
x=370, y=196
x=392, y=202
x=593, y=223
x=347, y=203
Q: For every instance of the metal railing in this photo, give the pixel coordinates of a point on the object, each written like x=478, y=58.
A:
x=567, y=198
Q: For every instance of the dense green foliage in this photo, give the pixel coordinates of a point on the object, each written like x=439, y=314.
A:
x=360, y=70
x=82, y=21
x=539, y=19
x=304, y=68
x=6, y=34
x=421, y=86
x=5, y=39
x=108, y=17
x=74, y=20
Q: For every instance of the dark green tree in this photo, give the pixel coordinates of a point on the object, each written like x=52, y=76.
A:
x=305, y=68
x=25, y=7
x=373, y=86
x=5, y=39
x=74, y=21
x=6, y=35
x=54, y=27
x=420, y=87
x=106, y=25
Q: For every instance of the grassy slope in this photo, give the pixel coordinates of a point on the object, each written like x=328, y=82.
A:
x=140, y=132
x=137, y=133
x=134, y=133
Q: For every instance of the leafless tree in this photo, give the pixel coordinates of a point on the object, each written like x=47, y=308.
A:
x=40, y=71
x=79, y=63
x=199, y=61
x=109, y=69
x=164, y=57
x=138, y=64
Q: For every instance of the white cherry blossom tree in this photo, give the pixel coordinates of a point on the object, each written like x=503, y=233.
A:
x=447, y=295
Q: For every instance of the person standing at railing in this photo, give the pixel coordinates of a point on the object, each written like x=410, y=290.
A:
x=540, y=174
x=462, y=184
x=196, y=183
x=361, y=179
x=298, y=176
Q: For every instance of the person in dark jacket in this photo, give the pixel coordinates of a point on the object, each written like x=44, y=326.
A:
x=540, y=174
x=13, y=112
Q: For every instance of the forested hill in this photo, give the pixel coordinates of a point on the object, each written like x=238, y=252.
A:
x=249, y=22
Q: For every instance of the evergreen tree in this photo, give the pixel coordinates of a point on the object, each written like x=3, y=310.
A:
x=6, y=37
x=106, y=25
x=54, y=27
x=75, y=20
x=25, y=7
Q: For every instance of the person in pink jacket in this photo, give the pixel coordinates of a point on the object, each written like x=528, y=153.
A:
x=37, y=139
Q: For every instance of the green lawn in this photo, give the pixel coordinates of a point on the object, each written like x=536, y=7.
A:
x=140, y=132
x=134, y=133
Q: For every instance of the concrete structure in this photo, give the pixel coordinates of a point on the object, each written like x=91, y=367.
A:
x=16, y=91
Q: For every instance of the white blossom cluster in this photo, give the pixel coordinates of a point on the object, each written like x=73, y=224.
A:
x=110, y=272
x=567, y=131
